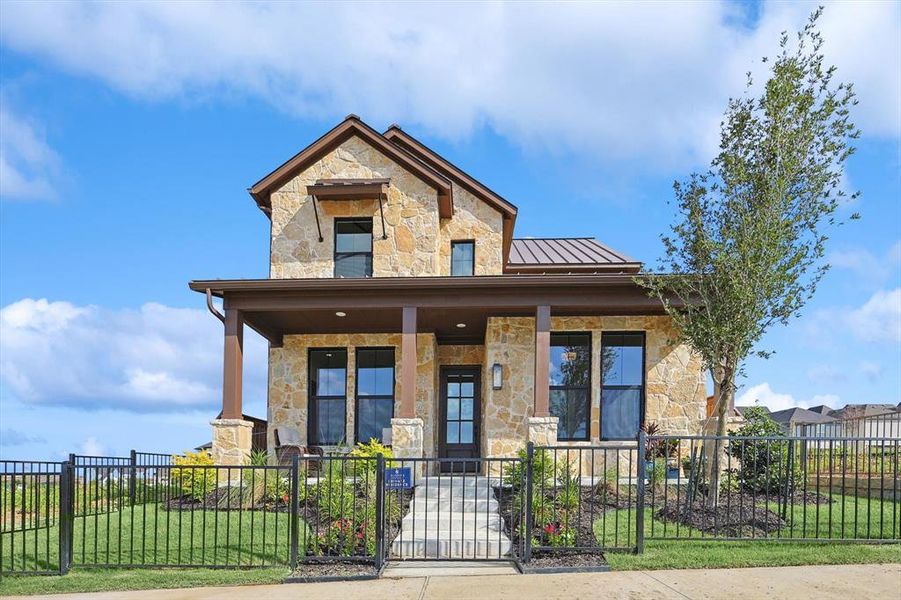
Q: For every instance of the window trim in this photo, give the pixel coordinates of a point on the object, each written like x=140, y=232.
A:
x=644, y=375
x=455, y=242
x=313, y=398
x=335, y=252
x=380, y=397
x=588, y=387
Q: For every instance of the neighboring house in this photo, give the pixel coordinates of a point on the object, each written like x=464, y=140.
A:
x=399, y=306
x=792, y=419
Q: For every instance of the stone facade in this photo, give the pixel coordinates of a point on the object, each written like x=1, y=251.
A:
x=543, y=431
x=416, y=242
x=232, y=441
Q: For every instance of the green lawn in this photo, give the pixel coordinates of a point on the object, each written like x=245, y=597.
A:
x=103, y=580
x=146, y=534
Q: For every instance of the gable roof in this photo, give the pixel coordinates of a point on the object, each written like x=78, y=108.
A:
x=800, y=415
x=440, y=164
x=821, y=409
x=547, y=255
x=351, y=126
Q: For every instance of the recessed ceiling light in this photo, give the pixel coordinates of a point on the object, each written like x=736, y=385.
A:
x=340, y=314
x=461, y=325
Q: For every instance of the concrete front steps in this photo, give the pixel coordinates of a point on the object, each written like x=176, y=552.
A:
x=452, y=517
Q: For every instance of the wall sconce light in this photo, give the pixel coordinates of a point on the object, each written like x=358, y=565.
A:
x=497, y=376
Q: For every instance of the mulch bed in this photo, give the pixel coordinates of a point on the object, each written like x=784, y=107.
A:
x=332, y=571
x=734, y=519
x=563, y=562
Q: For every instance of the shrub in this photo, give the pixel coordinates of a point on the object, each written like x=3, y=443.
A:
x=192, y=475
x=763, y=464
x=370, y=450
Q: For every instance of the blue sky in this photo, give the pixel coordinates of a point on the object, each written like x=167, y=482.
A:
x=130, y=132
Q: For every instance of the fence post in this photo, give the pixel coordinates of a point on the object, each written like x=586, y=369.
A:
x=641, y=490
x=132, y=478
x=292, y=518
x=65, y=517
x=789, y=471
x=379, y=510
x=527, y=533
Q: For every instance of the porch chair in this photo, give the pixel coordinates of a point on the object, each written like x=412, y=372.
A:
x=288, y=445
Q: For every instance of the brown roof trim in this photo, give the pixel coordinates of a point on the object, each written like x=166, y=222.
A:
x=352, y=125
x=573, y=268
x=437, y=162
x=220, y=286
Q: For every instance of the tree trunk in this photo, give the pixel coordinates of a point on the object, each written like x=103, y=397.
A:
x=723, y=403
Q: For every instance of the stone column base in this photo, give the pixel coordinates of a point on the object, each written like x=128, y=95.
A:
x=407, y=442
x=543, y=431
x=232, y=441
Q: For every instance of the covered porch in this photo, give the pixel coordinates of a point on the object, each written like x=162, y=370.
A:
x=495, y=329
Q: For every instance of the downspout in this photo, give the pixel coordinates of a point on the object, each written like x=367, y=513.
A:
x=212, y=308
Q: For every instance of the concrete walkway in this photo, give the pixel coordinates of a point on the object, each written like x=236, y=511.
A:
x=844, y=582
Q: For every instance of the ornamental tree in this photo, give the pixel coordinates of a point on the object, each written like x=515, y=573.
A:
x=746, y=250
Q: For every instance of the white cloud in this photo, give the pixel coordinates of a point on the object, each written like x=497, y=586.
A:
x=13, y=437
x=879, y=319
x=764, y=395
x=29, y=168
x=157, y=358
x=605, y=80
x=91, y=447
x=866, y=265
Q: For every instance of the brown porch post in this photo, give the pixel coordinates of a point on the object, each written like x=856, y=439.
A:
x=405, y=408
x=233, y=364
x=542, y=359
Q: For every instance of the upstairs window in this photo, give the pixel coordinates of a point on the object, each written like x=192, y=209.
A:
x=375, y=392
x=570, y=382
x=328, y=396
x=353, y=247
x=463, y=258
x=622, y=385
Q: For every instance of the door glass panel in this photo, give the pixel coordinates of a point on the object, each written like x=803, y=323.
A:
x=466, y=432
x=453, y=429
x=466, y=408
x=453, y=389
x=453, y=409
x=466, y=389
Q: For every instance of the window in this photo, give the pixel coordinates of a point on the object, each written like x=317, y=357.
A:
x=328, y=396
x=375, y=392
x=570, y=382
x=622, y=385
x=463, y=258
x=353, y=247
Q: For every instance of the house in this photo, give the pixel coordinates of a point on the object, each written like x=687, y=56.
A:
x=400, y=306
x=794, y=420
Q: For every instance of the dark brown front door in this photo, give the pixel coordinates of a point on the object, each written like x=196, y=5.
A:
x=460, y=415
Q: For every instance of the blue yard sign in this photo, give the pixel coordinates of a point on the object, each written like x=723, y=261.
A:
x=398, y=478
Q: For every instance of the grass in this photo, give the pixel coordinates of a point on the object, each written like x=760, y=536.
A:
x=104, y=580
x=146, y=534
x=617, y=529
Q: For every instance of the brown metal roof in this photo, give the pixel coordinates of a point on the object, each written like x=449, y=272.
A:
x=567, y=255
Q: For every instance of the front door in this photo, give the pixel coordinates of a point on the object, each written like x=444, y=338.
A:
x=460, y=417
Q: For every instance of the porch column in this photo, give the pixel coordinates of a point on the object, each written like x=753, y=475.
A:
x=406, y=428
x=406, y=406
x=232, y=435
x=542, y=360
x=232, y=376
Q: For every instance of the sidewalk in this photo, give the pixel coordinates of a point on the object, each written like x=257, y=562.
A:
x=845, y=582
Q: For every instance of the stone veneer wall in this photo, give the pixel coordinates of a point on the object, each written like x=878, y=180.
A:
x=418, y=242
x=289, y=379
x=675, y=386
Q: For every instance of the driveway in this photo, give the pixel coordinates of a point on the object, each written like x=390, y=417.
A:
x=843, y=582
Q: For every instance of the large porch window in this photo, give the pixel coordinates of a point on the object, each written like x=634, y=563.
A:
x=570, y=382
x=622, y=381
x=375, y=392
x=327, y=396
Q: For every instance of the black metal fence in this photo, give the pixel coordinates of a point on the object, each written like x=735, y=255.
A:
x=772, y=488
x=146, y=510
